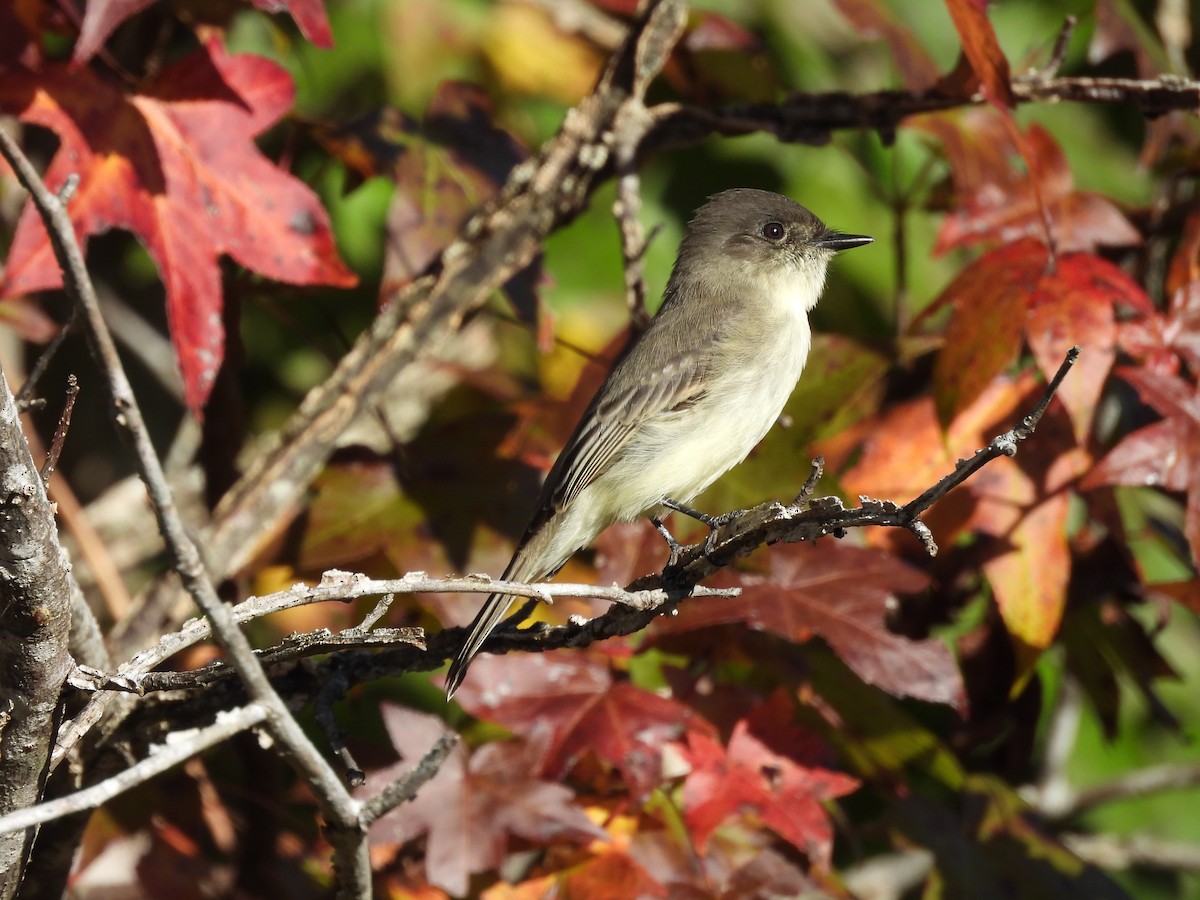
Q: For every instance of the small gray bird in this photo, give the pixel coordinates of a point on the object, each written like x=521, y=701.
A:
x=693, y=394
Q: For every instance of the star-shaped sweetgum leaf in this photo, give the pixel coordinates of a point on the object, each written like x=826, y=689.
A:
x=175, y=163
x=468, y=810
x=1004, y=192
x=1017, y=291
x=840, y=594
x=585, y=708
x=771, y=769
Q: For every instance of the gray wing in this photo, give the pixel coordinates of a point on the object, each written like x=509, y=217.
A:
x=614, y=416
x=616, y=413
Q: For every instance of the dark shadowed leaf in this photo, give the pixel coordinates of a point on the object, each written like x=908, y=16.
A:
x=875, y=19
x=841, y=594
x=1179, y=403
x=445, y=166
x=987, y=846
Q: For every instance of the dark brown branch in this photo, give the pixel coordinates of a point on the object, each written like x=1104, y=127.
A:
x=136, y=676
x=296, y=646
x=812, y=118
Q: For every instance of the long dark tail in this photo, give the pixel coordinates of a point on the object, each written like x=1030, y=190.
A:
x=485, y=623
x=526, y=565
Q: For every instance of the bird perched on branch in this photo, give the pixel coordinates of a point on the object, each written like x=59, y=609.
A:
x=691, y=395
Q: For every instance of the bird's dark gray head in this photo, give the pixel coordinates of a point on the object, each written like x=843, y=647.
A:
x=758, y=226
x=744, y=236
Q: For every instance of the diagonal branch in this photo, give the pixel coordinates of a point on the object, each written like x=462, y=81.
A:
x=744, y=531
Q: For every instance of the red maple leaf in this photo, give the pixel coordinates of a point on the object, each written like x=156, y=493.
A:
x=1165, y=453
x=1005, y=192
x=576, y=697
x=982, y=49
x=1162, y=341
x=771, y=769
x=470, y=807
x=841, y=594
x=176, y=164
x=1017, y=291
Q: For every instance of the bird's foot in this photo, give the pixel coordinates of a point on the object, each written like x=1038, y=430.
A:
x=674, y=545
x=713, y=523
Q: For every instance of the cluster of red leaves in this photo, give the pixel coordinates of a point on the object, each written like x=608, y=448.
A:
x=570, y=718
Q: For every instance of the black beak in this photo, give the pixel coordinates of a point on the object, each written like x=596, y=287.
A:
x=835, y=240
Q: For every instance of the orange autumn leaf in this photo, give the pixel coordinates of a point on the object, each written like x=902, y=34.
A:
x=1029, y=581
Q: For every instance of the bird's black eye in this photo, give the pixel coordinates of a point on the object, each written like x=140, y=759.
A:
x=773, y=231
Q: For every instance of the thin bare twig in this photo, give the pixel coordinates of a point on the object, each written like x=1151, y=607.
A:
x=60, y=431
x=810, y=483
x=25, y=395
x=405, y=788
x=1059, y=53
x=332, y=691
x=811, y=118
x=180, y=746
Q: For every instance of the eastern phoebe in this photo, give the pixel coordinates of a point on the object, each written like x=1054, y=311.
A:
x=689, y=397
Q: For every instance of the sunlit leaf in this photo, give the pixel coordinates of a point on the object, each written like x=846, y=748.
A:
x=176, y=164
